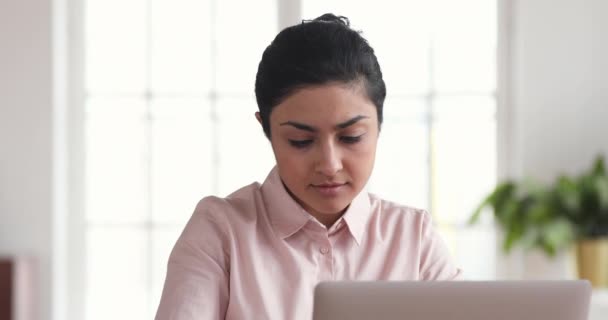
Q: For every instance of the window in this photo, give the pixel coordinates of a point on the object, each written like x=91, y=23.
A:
x=169, y=108
x=169, y=96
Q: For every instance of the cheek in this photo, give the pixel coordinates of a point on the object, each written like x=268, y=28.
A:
x=366, y=150
x=286, y=157
x=362, y=159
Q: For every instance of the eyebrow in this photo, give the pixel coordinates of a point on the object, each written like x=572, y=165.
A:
x=309, y=128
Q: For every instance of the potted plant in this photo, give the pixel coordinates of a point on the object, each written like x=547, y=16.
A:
x=584, y=201
x=553, y=218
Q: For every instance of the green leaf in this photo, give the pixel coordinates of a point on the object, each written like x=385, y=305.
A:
x=601, y=186
x=514, y=234
x=568, y=194
x=557, y=235
x=549, y=249
x=508, y=214
x=538, y=212
x=477, y=213
x=497, y=199
x=598, y=166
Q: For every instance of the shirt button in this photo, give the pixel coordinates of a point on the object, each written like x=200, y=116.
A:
x=324, y=250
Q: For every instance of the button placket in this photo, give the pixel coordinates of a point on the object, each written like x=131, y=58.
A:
x=325, y=260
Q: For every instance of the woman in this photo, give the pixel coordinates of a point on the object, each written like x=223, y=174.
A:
x=258, y=253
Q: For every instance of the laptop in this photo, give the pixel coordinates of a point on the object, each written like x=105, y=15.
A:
x=455, y=300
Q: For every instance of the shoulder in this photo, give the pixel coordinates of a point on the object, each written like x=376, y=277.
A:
x=393, y=211
x=216, y=220
x=399, y=221
x=238, y=205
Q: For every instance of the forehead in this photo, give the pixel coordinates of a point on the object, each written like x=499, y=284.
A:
x=325, y=105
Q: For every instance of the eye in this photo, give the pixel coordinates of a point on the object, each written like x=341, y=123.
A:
x=350, y=139
x=300, y=143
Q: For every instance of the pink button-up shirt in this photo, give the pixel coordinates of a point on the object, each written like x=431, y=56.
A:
x=257, y=254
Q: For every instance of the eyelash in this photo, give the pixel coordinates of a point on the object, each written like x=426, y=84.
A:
x=300, y=144
x=350, y=140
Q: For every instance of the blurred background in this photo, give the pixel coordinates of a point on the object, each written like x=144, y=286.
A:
x=116, y=117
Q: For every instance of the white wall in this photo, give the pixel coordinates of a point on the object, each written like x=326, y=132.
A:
x=26, y=137
x=557, y=100
x=559, y=86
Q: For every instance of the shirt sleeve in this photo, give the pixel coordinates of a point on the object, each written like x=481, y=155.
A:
x=436, y=263
x=196, y=285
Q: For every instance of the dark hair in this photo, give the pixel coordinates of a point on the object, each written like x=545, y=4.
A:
x=316, y=52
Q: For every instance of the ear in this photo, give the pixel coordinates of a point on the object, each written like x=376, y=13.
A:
x=259, y=117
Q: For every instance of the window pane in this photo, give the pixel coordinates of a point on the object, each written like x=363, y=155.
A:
x=401, y=168
x=182, y=151
x=404, y=55
x=181, y=60
x=116, y=273
x=241, y=37
x=404, y=64
x=115, y=42
x=351, y=9
x=245, y=153
x=464, y=153
x=115, y=153
x=398, y=110
x=473, y=249
x=465, y=46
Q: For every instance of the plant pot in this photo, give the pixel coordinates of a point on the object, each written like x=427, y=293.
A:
x=592, y=261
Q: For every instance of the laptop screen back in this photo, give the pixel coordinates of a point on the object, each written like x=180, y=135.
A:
x=455, y=300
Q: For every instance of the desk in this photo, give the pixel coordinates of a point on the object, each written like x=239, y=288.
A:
x=599, y=305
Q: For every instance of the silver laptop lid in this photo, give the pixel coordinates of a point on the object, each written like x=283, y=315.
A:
x=456, y=300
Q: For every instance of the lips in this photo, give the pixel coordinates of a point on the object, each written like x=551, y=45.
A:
x=328, y=185
x=329, y=189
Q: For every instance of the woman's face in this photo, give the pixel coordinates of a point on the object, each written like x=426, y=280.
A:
x=324, y=141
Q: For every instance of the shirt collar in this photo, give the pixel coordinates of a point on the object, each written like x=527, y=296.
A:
x=288, y=217
x=285, y=214
x=357, y=215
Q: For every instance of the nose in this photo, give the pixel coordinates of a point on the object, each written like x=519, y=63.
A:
x=329, y=160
